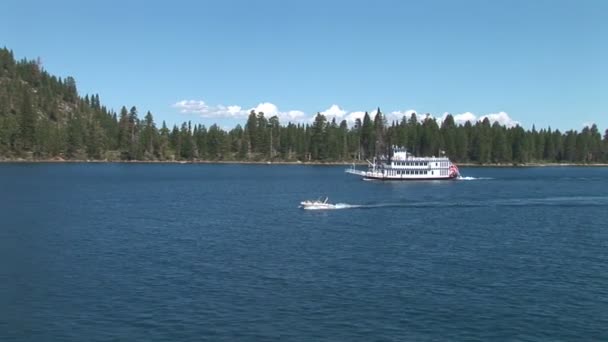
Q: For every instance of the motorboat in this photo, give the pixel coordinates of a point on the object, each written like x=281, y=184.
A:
x=318, y=204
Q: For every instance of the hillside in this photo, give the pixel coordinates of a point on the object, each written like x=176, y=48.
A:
x=43, y=117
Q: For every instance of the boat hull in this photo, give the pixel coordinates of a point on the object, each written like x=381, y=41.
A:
x=408, y=179
x=368, y=175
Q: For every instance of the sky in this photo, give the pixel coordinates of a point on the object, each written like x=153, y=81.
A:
x=532, y=62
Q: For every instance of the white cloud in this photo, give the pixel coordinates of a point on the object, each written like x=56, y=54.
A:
x=461, y=119
x=191, y=106
x=353, y=116
x=502, y=118
x=334, y=112
x=398, y=115
x=292, y=116
x=269, y=109
x=204, y=110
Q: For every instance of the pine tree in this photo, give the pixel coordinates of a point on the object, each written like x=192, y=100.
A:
x=148, y=136
x=124, y=131
x=251, y=130
x=134, y=150
x=595, y=144
x=274, y=134
x=164, y=142
x=570, y=146
x=75, y=138
x=413, y=143
x=367, y=137
x=27, y=123
x=430, y=140
x=605, y=147
x=262, y=138
x=380, y=142
x=186, y=150
x=500, y=151
x=448, y=133
x=318, y=147
x=175, y=142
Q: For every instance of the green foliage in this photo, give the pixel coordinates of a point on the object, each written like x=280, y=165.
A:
x=44, y=117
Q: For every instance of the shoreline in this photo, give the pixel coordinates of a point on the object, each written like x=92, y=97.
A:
x=245, y=162
x=92, y=161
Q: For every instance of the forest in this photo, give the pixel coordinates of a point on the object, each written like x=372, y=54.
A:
x=43, y=117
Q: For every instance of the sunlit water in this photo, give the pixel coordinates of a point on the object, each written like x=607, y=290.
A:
x=128, y=252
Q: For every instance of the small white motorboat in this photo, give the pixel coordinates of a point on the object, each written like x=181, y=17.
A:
x=317, y=204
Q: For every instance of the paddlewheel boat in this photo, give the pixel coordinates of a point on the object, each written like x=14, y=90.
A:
x=401, y=165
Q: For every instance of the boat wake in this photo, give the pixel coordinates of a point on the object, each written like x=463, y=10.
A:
x=566, y=201
x=462, y=178
x=331, y=206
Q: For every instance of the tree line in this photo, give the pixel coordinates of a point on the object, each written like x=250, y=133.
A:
x=43, y=117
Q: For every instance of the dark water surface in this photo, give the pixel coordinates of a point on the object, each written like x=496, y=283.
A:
x=92, y=252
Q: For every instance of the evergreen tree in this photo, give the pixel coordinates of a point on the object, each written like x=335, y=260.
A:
x=274, y=134
x=134, y=151
x=448, y=133
x=75, y=138
x=251, y=129
x=500, y=151
x=482, y=142
x=380, y=144
x=367, y=137
x=262, y=139
x=124, y=130
x=149, y=137
x=201, y=142
x=318, y=149
x=570, y=146
x=605, y=147
x=186, y=143
x=27, y=123
x=413, y=144
x=175, y=142
x=164, y=142
x=595, y=144
x=430, y=140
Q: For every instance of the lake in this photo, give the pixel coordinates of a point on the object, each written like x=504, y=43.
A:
x=170, y=252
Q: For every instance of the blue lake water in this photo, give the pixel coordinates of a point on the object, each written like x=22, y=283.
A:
x=151, y=252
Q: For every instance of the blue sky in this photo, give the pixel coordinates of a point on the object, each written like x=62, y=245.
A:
x=533, y=62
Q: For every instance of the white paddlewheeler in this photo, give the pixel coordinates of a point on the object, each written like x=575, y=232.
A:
x=401, y=165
